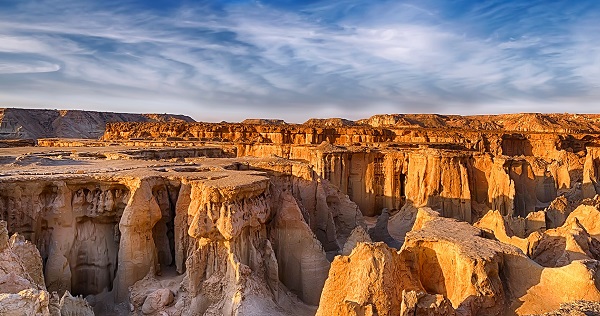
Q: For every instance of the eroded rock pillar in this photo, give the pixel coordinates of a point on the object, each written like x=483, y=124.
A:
x=137, y=251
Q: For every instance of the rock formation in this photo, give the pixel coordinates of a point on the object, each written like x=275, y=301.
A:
x=22, y=289
x=450, y=261
x=256, y=240
x=391, y=215
x=470, y=165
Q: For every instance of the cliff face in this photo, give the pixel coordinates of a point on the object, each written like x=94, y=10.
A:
x=256, y=240
x=525, y=122
x=461, y=166
x=25, y=123
x=460, y=184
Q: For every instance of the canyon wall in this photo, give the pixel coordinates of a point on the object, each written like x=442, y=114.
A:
x=22, y=287
x=461, y=166
x=256, y=234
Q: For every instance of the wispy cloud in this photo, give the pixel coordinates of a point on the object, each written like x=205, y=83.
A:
x=17, y=67
x=347, y=58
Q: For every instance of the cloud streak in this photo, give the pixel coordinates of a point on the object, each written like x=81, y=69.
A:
x=16, y=67
x=349, y=58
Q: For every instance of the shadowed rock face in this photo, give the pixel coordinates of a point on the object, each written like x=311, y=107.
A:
x=393, y=215
x=22, y=288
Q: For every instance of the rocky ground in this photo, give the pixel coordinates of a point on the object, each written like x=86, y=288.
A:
x=577, y=308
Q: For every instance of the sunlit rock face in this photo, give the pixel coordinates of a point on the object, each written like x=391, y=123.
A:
x=457, y=271
x=462, y=166
x=391, y=215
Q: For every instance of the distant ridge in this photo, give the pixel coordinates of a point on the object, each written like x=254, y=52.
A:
x=517, y=122
x=16, y=123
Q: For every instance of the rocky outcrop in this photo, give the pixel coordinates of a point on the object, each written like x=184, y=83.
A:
x=331, y=122
x=137, y=252
x=358, y=235
x=500, y=228
x=466, y=185
x=591, y=173
x=445, y=251
x=560, y=246
x=452, y=262
x=238, y=241
x=367, y=282
x=22, y=289
x=524, y=122
x=577, y=308
x=264, y=121
x=557, y=212
x=20, y=264
x=588, y=217
x=439, y=180
x=422, y=303
x=487, y=162
x=553, y=247
x=521, y=134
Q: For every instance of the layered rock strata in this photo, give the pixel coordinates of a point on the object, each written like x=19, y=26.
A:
x=469, y=165
x=239, y=241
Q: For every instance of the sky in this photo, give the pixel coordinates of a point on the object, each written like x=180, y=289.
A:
x=295, y=60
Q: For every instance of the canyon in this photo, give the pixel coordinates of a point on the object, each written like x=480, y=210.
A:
x=399, y=214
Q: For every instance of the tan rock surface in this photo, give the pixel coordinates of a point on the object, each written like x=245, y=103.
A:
x=577, y=308
x=358, y=235
x=367, y=282
x=589, y=218
x=451, y=261
x=560, y=246
x=421, y=303
x=22, y=289
x=498, y=226
x=243, y=238
x=177, y=218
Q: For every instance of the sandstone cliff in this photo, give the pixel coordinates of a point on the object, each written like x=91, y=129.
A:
x=469, y=164
x=233, y=241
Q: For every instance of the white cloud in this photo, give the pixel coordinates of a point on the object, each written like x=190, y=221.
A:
x=392, y=56
x=27, y=68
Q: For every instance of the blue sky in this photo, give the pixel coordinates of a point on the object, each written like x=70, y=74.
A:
x=229, y=60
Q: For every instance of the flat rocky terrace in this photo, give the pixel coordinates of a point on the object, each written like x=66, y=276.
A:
x=411, y=215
